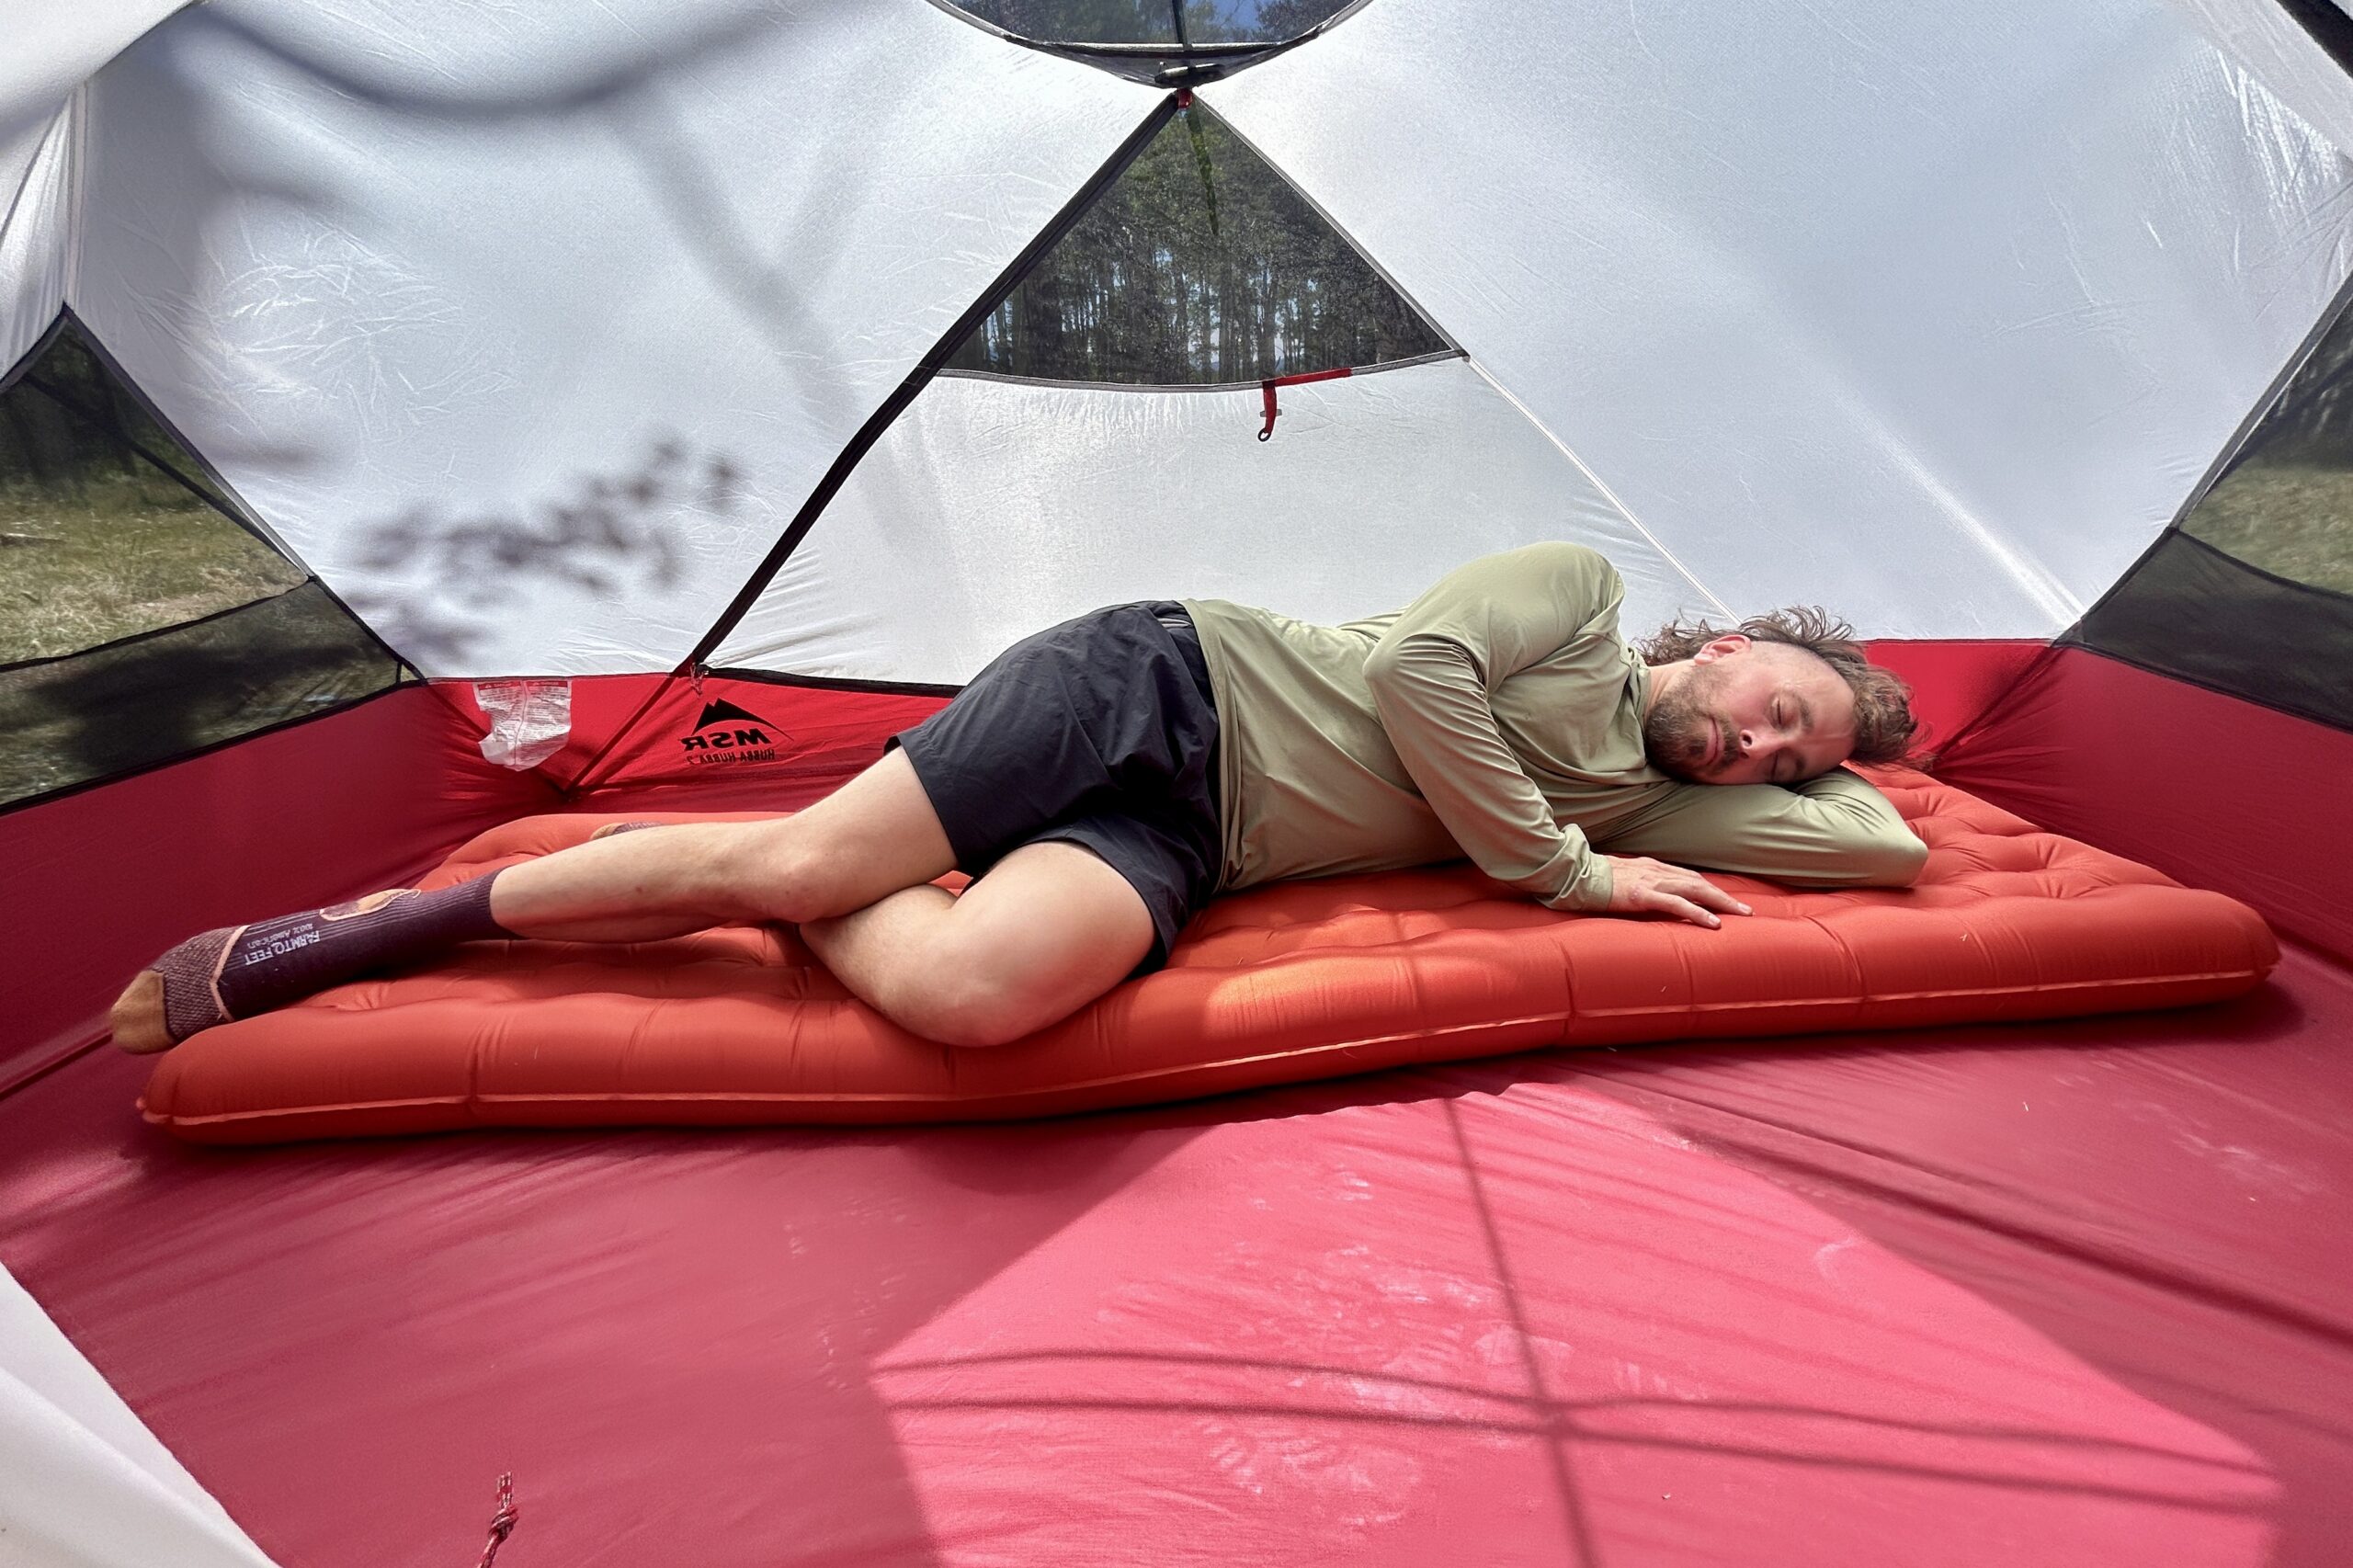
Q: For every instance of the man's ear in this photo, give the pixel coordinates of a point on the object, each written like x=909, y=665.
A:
x=1730, y=643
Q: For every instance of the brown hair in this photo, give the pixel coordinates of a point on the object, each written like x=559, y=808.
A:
x=1883, y=721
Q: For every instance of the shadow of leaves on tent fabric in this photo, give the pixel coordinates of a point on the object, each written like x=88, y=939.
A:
x=617, y=534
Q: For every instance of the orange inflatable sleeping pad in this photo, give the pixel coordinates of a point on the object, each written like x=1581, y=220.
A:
x=1291, y=981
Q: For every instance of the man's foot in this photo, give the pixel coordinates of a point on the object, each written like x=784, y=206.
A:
x=238, y=970
x=611, y=828
x=175, y=996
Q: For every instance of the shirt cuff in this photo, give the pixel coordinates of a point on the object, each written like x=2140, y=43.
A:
x=1589, y=889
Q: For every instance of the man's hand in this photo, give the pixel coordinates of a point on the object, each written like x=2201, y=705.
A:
x=1640, y=886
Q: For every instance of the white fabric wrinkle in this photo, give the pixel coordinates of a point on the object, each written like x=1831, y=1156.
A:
x=34, y=240
x=2265, y=44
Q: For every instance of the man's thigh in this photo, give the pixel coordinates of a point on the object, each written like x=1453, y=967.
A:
x=1053, y=926
x=867, y=839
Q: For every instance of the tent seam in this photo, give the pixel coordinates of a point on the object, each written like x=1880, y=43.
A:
x=13, y=666
x=10, y=377
x=2319, y=590
x=2203, y=684
x=1602, y=485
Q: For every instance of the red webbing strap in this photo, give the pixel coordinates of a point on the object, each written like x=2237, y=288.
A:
x=1266, y=389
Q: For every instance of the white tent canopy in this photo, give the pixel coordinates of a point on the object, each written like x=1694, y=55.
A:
x=1850, y=305
x=47, y=50
x=1892, y=311
x=394, y=280
x=964, y=530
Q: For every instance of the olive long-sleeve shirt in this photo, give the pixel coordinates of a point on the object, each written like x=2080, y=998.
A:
x=1499, y=717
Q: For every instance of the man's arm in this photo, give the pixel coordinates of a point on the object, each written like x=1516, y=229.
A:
x=1835, y=831
x=1433, y=675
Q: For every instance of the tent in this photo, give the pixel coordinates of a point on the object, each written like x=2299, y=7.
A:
x=646, y=406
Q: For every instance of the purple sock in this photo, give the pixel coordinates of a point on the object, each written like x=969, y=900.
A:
x=239, y=970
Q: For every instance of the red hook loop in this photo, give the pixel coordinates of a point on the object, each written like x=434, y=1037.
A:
x=1267, y=390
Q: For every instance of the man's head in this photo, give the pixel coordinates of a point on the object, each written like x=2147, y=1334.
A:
x=1785, y=697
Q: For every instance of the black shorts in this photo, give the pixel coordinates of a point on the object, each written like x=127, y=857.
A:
x=1100, y=731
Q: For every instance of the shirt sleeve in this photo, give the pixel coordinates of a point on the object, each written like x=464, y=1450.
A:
x=1835, y=831
x=1433, y=675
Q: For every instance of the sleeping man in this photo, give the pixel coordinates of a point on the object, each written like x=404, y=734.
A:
x=1101, y=780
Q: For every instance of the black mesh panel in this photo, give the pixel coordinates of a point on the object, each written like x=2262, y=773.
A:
x=108, y=526
x=1079, y=21
x=2190, y=610
x=139, y=621
x=1153, y=21
x=1199, y=265
x=2286, y=502
x=2251, y=594
x=154, y=698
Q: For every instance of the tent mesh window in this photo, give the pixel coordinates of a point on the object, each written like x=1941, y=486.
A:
x=1153, y=21
x=1200, y=265
x=138, y=621
x=2286, y=502
x=2253, y=592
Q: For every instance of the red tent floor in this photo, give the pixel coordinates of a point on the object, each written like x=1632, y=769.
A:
x=2070, y=1294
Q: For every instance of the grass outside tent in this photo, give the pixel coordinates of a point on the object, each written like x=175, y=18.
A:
x=2292, y=519
x=127, y=555
x=120, y=554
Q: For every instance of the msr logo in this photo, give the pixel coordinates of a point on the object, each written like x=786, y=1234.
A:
x=728, y=733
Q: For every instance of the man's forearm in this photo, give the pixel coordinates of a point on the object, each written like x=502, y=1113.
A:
x=1835, y=831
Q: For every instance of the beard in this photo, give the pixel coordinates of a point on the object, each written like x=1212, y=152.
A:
x=1680, y=727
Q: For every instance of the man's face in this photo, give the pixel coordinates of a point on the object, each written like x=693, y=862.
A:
x=1752, y=713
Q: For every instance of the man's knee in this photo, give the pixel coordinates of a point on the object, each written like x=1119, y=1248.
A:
x=787, y=873
x=971, y=988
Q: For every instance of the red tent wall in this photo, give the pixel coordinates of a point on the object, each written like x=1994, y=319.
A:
x=102, y=879
x=2212, y=790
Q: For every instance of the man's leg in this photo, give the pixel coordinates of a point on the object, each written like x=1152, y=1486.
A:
x=871, y=837
x=1049, y=929
x=876, y=835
